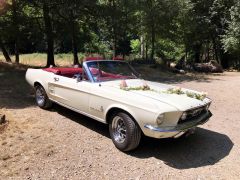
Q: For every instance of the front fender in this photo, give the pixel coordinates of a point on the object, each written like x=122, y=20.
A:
x=140, y=116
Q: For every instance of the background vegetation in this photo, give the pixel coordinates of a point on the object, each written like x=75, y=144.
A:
x=169, y=30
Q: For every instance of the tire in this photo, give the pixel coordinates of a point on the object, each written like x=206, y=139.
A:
x=124, y=131
x=41, y=98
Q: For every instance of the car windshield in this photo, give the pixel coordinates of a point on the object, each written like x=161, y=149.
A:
x=110, y=70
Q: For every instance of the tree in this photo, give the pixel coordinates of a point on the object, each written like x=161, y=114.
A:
x=116, y=24
x=15, y=24
x=4, y=51
x=4, y=7
x=49, y=33
x=157, y=19
x=231, y=40
x=202, y=25
x=73, y=14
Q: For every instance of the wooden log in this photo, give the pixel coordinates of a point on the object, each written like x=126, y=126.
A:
x=2, y=118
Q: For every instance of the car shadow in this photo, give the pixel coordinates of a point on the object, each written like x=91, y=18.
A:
x=203, y=148
x=85, y=121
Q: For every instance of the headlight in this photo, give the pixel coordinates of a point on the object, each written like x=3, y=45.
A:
x=184, y=116
x=160, y=119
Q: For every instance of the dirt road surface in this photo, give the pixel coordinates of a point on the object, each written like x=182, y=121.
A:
x=61, y=144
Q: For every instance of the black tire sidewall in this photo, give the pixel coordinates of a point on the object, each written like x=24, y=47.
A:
x=130, y=127
x=42, y=105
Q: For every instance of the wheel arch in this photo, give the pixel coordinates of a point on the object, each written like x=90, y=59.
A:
x=37, y=83
x=115, y=109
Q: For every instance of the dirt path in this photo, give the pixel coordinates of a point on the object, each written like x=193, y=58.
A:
x=61, y=144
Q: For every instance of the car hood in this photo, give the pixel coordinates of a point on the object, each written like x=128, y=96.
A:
x=181, y=102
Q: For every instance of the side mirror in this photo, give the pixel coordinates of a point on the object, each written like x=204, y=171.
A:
x=78, y=77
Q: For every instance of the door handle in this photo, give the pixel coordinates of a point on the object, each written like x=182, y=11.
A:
x=56, y=79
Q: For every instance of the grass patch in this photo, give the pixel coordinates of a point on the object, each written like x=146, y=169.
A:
x=40, y=59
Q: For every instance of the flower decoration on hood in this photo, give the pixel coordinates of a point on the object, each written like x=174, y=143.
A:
x=123, y=84
x=145, y=86
x=175, y=90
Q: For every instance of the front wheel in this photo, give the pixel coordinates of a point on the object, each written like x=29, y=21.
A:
x=124, y=131
x=41, y=98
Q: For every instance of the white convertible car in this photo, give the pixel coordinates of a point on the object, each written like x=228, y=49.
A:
x=111, y=92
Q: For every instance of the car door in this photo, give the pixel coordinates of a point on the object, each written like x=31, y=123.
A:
x=70, y=92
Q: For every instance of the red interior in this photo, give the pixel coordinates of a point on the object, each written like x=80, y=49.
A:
x=118, y=58
x=94, y=58
x=70, y=72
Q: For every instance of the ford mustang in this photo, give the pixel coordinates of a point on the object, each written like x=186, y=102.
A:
x=112, y=92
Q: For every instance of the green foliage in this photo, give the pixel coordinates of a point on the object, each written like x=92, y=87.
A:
x=136, y=46
x=231, y=40
x=169, y=49
x=196, y=30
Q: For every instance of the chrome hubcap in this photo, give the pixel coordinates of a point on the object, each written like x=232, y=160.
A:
x=119, y=129
x=40, y=96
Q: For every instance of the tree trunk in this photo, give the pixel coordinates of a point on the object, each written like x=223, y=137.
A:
x=216, y=51
x=142, y=47
x=49, y=35
x=197, y=56
x=186, y=54
x=74, y=44
x=208, y=53
x=4, y=51
x=75, y=51
x=224, y=59
x=16, y=30
x=197, y=53
x=153, y=42
x=114, y=28
x=114, y=47
x=146, y=52
x=16, y=51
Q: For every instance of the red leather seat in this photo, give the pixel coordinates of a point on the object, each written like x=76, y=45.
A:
x=69, y=72
x=94, y=58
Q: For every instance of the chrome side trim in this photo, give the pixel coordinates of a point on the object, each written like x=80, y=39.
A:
x=181, y=127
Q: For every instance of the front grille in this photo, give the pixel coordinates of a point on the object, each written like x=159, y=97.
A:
x=193, y=114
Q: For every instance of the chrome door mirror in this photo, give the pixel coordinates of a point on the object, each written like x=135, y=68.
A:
x=78, y=77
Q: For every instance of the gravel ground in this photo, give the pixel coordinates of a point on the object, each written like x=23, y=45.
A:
x=61, y=144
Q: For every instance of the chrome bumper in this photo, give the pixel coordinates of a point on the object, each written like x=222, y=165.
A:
x=180, y=127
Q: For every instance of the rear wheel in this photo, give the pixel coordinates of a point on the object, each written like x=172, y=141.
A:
x=41, y=98
x=125, y=133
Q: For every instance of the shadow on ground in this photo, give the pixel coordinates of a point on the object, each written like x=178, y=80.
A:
x=161, y=74
x=203, y=148
x=15, y=93
x=82, y=120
